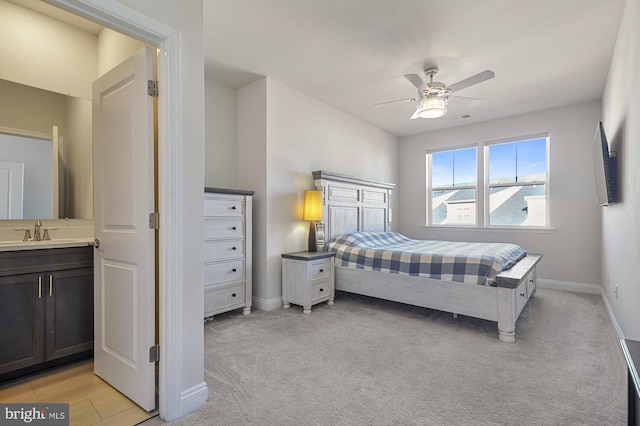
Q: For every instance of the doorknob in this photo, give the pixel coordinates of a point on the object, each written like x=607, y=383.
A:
x=96, y=243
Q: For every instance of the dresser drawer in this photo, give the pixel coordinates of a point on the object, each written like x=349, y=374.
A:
x=233, y=228
x=521, y=294
x=219, y=299
x=218, y=272
x=215, y=206
x=320, y=269
x=320, y=291
x=224, y=249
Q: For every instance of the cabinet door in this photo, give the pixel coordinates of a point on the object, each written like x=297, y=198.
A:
x=22, y=319
x=69, y=307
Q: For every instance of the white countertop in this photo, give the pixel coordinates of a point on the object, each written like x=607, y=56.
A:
x=45, y=244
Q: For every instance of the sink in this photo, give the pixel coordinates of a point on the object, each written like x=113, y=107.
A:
x=56, y=243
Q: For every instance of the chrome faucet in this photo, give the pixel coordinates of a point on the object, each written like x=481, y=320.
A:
x=36, y=231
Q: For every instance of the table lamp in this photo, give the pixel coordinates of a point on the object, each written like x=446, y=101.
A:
x=312, y=212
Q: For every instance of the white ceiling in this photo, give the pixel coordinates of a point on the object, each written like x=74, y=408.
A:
x=352, y=54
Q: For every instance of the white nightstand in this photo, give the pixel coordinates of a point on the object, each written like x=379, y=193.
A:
x=307, y=279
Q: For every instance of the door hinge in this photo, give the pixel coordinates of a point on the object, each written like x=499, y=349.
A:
x=154, y=353
x=152, y=88
x=154, y=220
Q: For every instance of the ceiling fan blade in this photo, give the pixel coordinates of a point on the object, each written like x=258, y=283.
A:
x=396, y=102
x=415, y=115
x=415, y=80
x=468, y=102
x=478, y=78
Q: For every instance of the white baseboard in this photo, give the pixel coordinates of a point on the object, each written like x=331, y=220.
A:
x=612, y=318
x=193, y=398
x=267, y=304
x=570, y=286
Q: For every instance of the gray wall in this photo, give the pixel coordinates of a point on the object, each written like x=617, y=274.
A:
x=571, y=248
x=621, y=222
x=220, y=136
x=284, y=135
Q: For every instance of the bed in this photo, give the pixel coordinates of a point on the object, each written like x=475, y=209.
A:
x=360, y=209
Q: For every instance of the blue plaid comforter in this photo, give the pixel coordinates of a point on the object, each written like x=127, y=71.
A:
x=476, y=263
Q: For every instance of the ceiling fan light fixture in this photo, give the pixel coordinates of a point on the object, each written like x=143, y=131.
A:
x=432, y=107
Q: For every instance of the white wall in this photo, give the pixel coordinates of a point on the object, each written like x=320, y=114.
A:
x=294, y=135
x=68, y=54
x=621, y=222
x=113, y=48
x=78, y=150
x=572, y=249
x=220, y=136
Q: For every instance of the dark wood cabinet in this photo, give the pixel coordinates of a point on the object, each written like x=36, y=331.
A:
x=21, y=322
x=46, y=309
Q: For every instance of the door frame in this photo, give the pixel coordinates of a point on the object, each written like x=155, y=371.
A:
x=130, y=22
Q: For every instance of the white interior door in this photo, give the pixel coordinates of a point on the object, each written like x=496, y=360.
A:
x=11, y=189
x=123, y=163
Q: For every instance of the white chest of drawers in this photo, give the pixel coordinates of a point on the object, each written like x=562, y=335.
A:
x=227, y=250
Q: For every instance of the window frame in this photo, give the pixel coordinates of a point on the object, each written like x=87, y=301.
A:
x=477, y=186
x=483, y=186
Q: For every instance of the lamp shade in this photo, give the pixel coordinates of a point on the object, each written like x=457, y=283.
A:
x=432, y=107
x=312, y=205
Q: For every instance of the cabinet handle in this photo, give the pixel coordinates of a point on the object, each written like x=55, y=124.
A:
x=39, y=287
x=234, y=270
x=50, y=285
x=321, y=270
x=233, y=228
x=233, y=207
x=233, y=295
x=321, y=290
x=233, y=248
x=522, y=294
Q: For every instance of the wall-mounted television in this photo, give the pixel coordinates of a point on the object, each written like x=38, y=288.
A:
x=606, y=169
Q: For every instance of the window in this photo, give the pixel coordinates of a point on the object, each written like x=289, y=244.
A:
x=509, y=190
x=453, y=187
x=518, y=183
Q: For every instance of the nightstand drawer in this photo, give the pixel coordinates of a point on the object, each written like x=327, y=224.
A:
x=217, y=272
x=223, y=207
x=320, y=291
x=232, y=228
x=320, y=269
x=224, y=249
x=220, y=298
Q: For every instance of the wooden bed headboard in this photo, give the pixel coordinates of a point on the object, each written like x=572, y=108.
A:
x=353, y=204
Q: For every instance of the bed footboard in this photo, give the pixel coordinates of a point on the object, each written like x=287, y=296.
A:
x=515, y=287
x=502, y=303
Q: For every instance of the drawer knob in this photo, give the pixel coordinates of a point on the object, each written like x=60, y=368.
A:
x=321, y=270
x=233, y=207
x=234, y=270
x=321, y=290
x=522, y=294
x=234, y=228
x=233, y=295
x=233, y=248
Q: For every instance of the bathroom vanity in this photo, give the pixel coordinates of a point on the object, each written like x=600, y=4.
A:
x=46, y=306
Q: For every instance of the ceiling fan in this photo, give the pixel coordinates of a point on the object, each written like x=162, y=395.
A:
x=433, y=97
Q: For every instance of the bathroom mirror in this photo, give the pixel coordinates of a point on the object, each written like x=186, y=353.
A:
x=46, y=136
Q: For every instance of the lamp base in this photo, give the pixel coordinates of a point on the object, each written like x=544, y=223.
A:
x=313, y=242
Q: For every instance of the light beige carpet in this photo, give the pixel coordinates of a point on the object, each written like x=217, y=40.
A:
x=365, y=361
